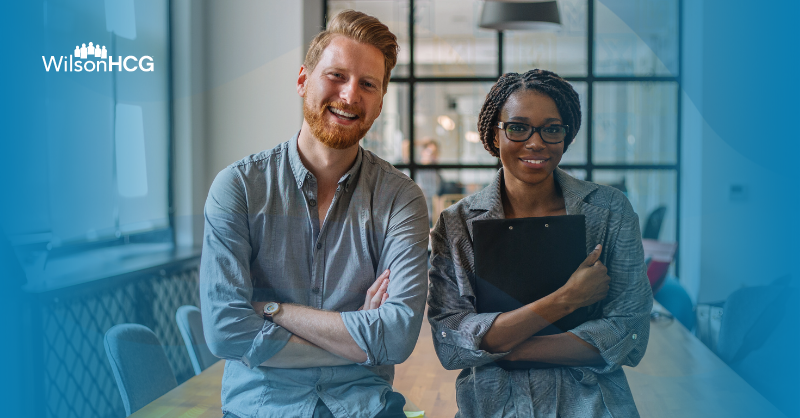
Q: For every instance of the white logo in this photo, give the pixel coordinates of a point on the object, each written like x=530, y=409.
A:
x=95, y=57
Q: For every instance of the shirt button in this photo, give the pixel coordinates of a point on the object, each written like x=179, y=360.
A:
x=633, y=336
x=319, y=388
x=319, y=245
x=315, y=290
x=312, y=202
x=444, y=334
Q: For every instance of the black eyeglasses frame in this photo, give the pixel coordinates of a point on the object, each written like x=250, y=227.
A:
x=534, y=129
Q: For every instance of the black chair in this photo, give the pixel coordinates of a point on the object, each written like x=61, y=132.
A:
x=652, y=228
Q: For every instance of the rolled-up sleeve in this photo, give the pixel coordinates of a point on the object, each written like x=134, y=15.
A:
x=457, y=329
x=622, y=333
x=388, y=334
x=233, y=330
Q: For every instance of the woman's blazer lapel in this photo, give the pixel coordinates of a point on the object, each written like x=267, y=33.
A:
x=575, y=193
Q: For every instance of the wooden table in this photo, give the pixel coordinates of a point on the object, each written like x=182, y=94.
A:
x=199, y=397
x=678, y=377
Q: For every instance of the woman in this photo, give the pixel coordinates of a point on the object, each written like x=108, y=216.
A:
x=528, y=121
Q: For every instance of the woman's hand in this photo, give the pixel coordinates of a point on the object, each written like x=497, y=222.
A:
x=589, y=283
x=377, y=294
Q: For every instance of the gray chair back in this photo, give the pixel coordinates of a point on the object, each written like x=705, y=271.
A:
x=140, y=365
x=190, y=324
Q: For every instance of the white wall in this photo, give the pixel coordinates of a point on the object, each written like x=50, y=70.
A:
x=235, y=68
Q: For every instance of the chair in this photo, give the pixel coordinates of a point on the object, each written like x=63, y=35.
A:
x=676, y=300
x=758, y=339
x=190, y=323
x=443, y=202
x=652, y=228
x=140, y=365
x=658, y=256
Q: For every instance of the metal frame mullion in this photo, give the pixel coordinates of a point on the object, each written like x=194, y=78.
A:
x=589, y=79
x=412, y=84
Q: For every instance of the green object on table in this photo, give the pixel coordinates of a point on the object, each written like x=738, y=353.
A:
x=412, y=414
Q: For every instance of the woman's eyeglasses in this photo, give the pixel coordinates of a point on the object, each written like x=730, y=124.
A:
x=521, y=132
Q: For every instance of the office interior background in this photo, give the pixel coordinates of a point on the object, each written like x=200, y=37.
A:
x=108, y=178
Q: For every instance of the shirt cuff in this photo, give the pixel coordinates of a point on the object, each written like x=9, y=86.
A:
x=367, y=331
x=613, y=352
x=270, y=339
x=468, y=338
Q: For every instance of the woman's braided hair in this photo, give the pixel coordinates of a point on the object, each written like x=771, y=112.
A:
x=543, y=81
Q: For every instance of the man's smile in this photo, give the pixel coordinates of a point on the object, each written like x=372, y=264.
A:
x=342, y=114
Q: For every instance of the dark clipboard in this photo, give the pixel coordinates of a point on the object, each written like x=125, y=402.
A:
x=518, y=261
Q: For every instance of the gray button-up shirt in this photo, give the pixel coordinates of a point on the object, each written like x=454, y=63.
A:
x=620, y=334
x=263, y=242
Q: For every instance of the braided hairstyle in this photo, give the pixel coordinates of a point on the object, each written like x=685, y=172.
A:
x=542, y=81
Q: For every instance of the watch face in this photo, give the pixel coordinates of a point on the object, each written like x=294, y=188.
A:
x=271, y=308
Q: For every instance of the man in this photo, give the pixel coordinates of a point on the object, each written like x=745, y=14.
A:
x=309, y=225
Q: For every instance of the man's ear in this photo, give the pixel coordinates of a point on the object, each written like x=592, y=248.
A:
x=301, y=81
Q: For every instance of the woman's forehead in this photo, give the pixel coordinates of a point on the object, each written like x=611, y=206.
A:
x=526, y=104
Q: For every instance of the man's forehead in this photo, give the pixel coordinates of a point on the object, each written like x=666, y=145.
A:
x=348, y=54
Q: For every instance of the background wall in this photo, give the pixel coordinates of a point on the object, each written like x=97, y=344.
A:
x=740, y=190
x=239, y=98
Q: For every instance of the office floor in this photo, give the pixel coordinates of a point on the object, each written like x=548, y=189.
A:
x=424, y=381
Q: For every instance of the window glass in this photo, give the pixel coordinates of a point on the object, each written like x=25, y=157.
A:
x=449, y=42
x=107, y=128
x=635, y=122
x=388, y=137
x=443, y=187
x=446, y=114
x=647, y=190
x=562, y=51
x=636, y=37
x=392, y=13
x=576, y=153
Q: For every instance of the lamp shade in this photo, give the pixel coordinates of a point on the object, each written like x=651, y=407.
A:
x=500, y=15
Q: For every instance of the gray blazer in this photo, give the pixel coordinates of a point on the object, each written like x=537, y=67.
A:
x=621, y=333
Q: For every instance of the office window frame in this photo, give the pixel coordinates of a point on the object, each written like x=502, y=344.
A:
x=589, y=167
x=34, y=242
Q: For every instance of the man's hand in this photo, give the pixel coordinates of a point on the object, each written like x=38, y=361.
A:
x=377, y=294
x=320, y=338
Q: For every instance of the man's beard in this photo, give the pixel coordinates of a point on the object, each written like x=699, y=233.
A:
x=332, y=134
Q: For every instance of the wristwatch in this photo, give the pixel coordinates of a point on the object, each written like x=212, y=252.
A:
x=270, y=310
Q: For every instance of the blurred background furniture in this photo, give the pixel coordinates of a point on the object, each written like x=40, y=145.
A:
x=190, y=323
x=652, y=227
x=658, y=256
x=140, y=365
x=443, y=202
x=759, y=339
x=676, y=300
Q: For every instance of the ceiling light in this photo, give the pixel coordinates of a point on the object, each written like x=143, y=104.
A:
x=446, y=122
x=531, y=16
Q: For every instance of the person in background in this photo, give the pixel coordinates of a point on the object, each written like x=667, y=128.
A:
x=429, y=179
x=529, y=121
x=295, y=238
